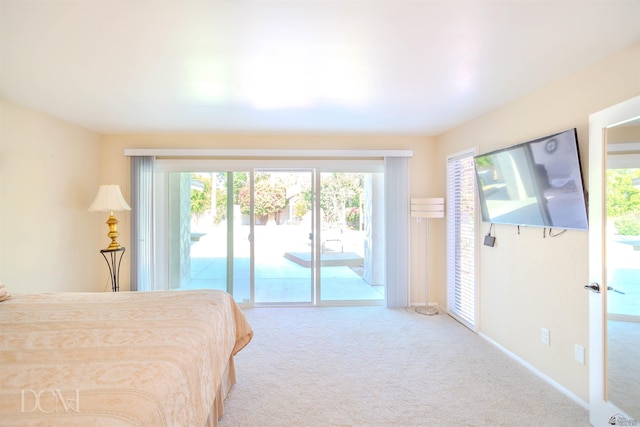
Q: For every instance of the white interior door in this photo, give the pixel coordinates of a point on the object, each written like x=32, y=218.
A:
x=605, y=408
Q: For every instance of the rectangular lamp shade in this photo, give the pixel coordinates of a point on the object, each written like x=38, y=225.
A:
x=432, y=207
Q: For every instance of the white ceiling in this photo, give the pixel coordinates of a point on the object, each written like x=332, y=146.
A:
x=383, y=66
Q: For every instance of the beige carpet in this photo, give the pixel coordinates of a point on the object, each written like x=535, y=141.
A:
x=371, y=366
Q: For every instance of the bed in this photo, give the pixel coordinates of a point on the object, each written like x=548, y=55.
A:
x=118, y=359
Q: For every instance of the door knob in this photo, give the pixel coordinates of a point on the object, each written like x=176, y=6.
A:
x=609, y=288
x=593, y=287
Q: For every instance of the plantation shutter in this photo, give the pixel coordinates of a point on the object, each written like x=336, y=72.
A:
x=461, y=220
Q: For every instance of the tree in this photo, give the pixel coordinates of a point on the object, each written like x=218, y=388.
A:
x=339, y=194
x=200, y=195
x=240, y=181
x=221, y=205
x=623, y=200
x=622, y=197
x=269, y=198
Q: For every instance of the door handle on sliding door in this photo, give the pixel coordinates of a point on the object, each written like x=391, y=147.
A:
x=593, y=287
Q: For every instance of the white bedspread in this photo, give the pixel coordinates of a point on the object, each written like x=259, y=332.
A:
x=117, y=359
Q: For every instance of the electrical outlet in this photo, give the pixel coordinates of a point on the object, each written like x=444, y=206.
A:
x=579, y=354
x=545, y=336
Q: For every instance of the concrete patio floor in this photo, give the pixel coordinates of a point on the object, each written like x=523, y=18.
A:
x=278, y=279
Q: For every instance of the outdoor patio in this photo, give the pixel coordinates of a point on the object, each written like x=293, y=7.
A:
x=282, y=270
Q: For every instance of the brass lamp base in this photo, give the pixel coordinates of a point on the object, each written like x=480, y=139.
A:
x=113, y=234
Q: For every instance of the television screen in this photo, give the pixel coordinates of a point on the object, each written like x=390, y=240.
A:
x=536, y=183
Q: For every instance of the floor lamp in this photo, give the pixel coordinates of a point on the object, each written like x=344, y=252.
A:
x=427, y=208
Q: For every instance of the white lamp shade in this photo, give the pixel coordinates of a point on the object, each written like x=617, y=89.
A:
x=432, y=207
x=109, y=198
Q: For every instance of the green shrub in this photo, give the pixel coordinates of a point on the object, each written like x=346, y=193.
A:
x=353, y=218
x=221, y=205
x=628, y=227
x=300, y=208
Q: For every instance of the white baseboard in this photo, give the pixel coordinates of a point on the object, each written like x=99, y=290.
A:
x=546, y=378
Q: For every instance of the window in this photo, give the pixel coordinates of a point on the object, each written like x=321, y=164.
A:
x=461, y=221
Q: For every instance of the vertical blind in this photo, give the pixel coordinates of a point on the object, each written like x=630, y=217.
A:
x=461, y=220
x=142, y=223
x=397, y=204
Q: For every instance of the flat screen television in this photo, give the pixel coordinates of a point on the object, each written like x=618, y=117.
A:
x=537, y=183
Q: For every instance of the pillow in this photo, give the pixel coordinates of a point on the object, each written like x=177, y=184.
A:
x=4, y=295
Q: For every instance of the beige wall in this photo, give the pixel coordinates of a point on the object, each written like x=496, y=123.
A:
x=528, y=282
x=115, y=167
x=48, y=178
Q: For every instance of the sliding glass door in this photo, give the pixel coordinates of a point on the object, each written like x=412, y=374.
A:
x=283, y=236
x=351, y=236
x=208, y=235
x=273, y=235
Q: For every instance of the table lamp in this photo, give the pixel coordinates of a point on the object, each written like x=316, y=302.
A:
x=109, y=199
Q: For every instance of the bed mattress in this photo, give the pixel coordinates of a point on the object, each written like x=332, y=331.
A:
x=118, y=359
